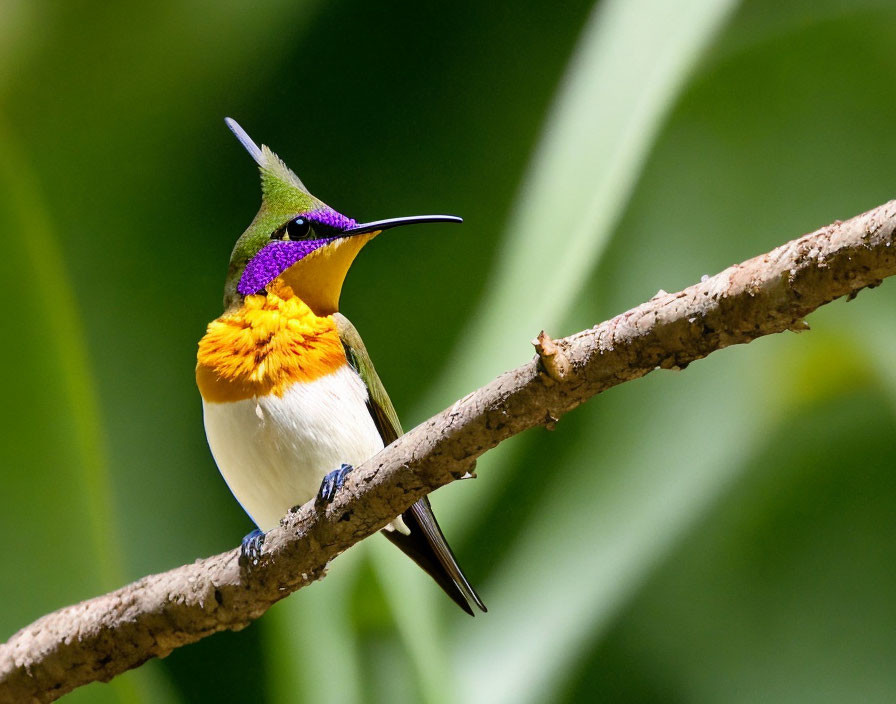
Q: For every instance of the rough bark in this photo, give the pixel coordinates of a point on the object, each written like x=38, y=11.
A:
x=102, y=637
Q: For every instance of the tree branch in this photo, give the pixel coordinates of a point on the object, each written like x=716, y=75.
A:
x=102, y=637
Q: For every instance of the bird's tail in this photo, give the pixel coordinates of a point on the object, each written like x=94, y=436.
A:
x=426, y=545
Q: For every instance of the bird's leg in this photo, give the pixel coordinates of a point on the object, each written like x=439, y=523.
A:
x=332, y=483
x=250, y=548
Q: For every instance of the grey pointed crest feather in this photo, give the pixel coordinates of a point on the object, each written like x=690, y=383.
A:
x=264, y=157
x=246, y=141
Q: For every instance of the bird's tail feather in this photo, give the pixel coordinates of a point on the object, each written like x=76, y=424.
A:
x=426, y=545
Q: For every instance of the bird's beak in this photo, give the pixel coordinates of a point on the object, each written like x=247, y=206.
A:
x=378, y=225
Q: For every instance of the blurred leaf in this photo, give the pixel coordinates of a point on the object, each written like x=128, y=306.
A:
x=595, y=541
x=412, y=599
x=312, y=644
x=594, y=144
x=783, y=592
x=628, y=69
x=17, y=36
x=52, y=416
x=759, y=21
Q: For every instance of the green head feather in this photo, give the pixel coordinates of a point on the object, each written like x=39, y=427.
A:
x=283, y=197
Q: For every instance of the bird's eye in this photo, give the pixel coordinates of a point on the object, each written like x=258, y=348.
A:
x=298, y=229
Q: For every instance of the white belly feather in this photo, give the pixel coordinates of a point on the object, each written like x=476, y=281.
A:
x=274, y=451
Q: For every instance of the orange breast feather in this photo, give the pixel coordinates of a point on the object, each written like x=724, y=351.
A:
x=264, y=347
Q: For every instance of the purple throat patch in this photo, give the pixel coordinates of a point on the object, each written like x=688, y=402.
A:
x=278, y=255
x=273, y=260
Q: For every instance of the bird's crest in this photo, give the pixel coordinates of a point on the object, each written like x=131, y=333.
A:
x=278, y=181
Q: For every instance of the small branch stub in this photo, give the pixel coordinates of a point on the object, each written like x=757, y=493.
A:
x=554, y=362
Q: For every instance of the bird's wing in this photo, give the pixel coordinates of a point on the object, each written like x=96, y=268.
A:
x=426, y=545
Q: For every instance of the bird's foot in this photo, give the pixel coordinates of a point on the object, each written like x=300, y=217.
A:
x=250, y=548
x=332, y=483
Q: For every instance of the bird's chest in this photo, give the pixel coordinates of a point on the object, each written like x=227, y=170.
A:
x=282, y=406
x=273, y=451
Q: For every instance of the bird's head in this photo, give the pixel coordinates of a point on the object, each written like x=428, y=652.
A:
x=297, y=241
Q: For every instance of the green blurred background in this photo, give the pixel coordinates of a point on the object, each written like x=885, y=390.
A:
x=725, y=534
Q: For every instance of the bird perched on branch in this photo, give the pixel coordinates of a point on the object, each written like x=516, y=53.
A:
x=291, y=400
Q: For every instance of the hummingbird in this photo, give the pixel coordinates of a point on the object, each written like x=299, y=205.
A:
x=291, y=401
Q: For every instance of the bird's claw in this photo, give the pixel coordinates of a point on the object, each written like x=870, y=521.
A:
x=251, y=547
x=332, y=483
